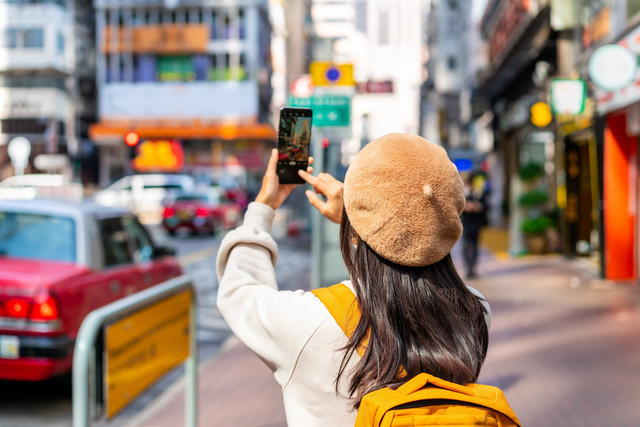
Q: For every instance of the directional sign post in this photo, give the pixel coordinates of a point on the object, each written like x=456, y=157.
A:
x=328, y=110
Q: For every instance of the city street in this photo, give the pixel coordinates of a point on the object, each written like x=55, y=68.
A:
x=563, y=346
x=49, y=403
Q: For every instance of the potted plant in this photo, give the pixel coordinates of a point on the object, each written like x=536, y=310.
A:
x=533, y=201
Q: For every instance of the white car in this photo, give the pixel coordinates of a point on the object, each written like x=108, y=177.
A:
x=40, y=185
x=143, y=194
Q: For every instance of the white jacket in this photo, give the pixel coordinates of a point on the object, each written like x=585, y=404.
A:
x=291, y=331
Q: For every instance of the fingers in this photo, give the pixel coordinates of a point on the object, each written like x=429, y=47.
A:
x=315, y=201
x=273, y=161
x=307, y=176
x=331, y=188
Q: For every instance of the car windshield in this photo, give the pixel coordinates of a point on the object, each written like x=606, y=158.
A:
x=34, y=236
x=192, y=198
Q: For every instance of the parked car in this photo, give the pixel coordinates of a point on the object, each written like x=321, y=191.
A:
x=60, y=260
x=207, y=210
x=143, y=194
x=42, y=185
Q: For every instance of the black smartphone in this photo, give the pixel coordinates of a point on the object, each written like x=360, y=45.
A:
x=294, y=138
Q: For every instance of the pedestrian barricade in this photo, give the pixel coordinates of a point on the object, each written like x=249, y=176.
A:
x=122, y=348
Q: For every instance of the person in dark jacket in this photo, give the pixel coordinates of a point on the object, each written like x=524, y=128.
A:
x=474, y=217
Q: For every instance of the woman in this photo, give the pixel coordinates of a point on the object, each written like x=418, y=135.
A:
x=399, y=213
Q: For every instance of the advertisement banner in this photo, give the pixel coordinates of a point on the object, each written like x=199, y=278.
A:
x=143, y=346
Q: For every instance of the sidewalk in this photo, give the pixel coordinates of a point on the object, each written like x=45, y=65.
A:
x=564, y=347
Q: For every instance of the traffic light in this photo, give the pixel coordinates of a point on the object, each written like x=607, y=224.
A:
x=131, y=138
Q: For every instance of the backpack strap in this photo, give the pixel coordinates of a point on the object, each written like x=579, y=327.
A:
x=343, y=307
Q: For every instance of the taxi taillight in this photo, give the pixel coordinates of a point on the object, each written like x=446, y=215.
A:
x=45, y=308
x=41, y=308
x=17, y=307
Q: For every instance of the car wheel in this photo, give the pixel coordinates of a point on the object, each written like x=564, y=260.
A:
x=172, y=232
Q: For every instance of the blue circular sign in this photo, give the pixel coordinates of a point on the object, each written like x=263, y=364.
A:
x=463, y=165
x=333, y=74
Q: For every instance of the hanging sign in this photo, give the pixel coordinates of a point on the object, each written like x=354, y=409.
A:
x=568, y=96
x=541, y=114
x=612, y=67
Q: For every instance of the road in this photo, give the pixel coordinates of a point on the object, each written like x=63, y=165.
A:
x=49, y=403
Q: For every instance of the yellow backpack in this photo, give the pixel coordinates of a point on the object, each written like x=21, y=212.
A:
x=424, y=400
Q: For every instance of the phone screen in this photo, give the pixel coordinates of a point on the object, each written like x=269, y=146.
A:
x=294, y=138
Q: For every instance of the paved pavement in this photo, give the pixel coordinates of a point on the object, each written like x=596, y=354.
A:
x=564, y=346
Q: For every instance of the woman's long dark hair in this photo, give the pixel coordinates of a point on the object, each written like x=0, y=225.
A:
x=421, y=319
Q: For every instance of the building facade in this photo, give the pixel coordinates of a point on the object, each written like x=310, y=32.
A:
x=446, y=90
x=36, y=64
x=604, y=28
x=191, y=79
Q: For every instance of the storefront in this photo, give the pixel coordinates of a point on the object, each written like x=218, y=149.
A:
x=619, y=108
x=210, y=153
x=579, y=168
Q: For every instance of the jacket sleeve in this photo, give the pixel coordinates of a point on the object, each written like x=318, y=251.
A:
x=275, y=324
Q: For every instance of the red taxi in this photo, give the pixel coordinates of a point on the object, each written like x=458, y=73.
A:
x=60, y=260
x=202, y=211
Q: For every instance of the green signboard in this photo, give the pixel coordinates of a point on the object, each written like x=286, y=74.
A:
x=328, y=110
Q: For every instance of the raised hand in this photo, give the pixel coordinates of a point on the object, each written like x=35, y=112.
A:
x=331, y=188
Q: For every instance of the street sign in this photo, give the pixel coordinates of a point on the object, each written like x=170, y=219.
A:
x=329, y=74
x=328, y=110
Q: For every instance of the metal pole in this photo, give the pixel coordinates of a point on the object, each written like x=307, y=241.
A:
x=191, y=372
x=93, y=323
x=317, y=230
x=80, y=372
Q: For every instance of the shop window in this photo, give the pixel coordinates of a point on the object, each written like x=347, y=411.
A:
x=212, y=25
x=242, y=23
x=145, y=68
x=228, y=68
x=175, y=68
x=201, y=67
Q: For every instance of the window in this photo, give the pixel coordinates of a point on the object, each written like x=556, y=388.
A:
x=17, y=38
x=145, y=68
x=9, y=38
x=60, y=42
x=33, y=38
x=452, y=62
x=32, y=80
x=21, y=236
x=115, y=244
x=143, y=246
x=58, y=2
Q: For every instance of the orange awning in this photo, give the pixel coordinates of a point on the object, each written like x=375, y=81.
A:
x=106, y=132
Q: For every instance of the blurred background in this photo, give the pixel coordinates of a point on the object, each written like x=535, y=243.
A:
x=169, y=108
x=100, y=90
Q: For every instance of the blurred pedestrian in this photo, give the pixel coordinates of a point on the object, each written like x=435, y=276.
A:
x=399, y=214
x=474, y=217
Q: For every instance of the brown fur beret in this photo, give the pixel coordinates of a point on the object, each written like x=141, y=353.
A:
x=404, y=196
